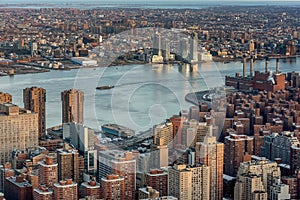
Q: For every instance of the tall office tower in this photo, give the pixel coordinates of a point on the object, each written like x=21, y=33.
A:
x=184, y=48
x=159, y=156
x=65, y=190
x=279, y=146
x=5, y=98
x=158, y=180
x=68, y=164
x=91, y=189
x=19, y=130
x=166, y=49
x=42, y=193
x=82, y=138
x=17, y=188
x=164, y=131
x=189, y=183
x=34, y=99
x=5, y=172
x=148, y=193
x=279, y=190
x=263, y=172
x=48, y=172
x=211, y=153
x=72, y=106
x=157, y=44
x=122, y=164
x=295, y=159
x=113, y=187
x=194, y=47
x=238, y=149
x=180, y=182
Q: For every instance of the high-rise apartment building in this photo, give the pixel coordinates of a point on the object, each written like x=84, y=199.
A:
x=295, y=159
x=65, y=190
x=180, y=182
x=159, y=156
x=19, y=130
x=189, y=182
x=164, y=131
x=34, y=99
x=5, y=172
x=42, y=193
x=5, y=98
x=72, y=106
x=113, y=187
x=158, y=180
x=91, y=189
x=238, y=149
x=256, y=175
x=211, y=153
x=279, y=146
x=68, y=164
x=17, y=188
x=148, y=193
x=122, y=164
x=48, y=172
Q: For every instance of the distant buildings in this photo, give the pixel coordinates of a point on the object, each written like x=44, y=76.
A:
x=72, y=106
x=35, y=100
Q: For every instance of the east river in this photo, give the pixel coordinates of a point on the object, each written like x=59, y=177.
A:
x=143, y=95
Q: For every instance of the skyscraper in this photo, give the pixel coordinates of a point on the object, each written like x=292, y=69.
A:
x=48, y=172
x=163, y=131
x=72, y=106
x=34, y=99
x=295, y=159
x=211, y=153
x=122, y=164
x=189, y=182
x=255, y=175
x=19, y=130
x=158, y=180
x=17, y=188
x=194, y=47
x=238, y=149
x=68, y=164
x=65, y=190
x=113, y=187
x=91, y=189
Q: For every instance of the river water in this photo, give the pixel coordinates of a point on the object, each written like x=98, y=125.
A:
x=144, y=95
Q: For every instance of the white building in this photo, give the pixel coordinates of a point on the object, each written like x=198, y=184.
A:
x=83, y=61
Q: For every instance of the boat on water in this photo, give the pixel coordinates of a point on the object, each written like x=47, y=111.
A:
x=118, y=130
x=106, y=87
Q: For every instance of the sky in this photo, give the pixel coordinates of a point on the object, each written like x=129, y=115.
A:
x=132, y=1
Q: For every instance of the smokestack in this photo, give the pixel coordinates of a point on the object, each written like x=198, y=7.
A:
x=277, y=66
x=244, y=66
x=267, y=65
x=251, y=66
